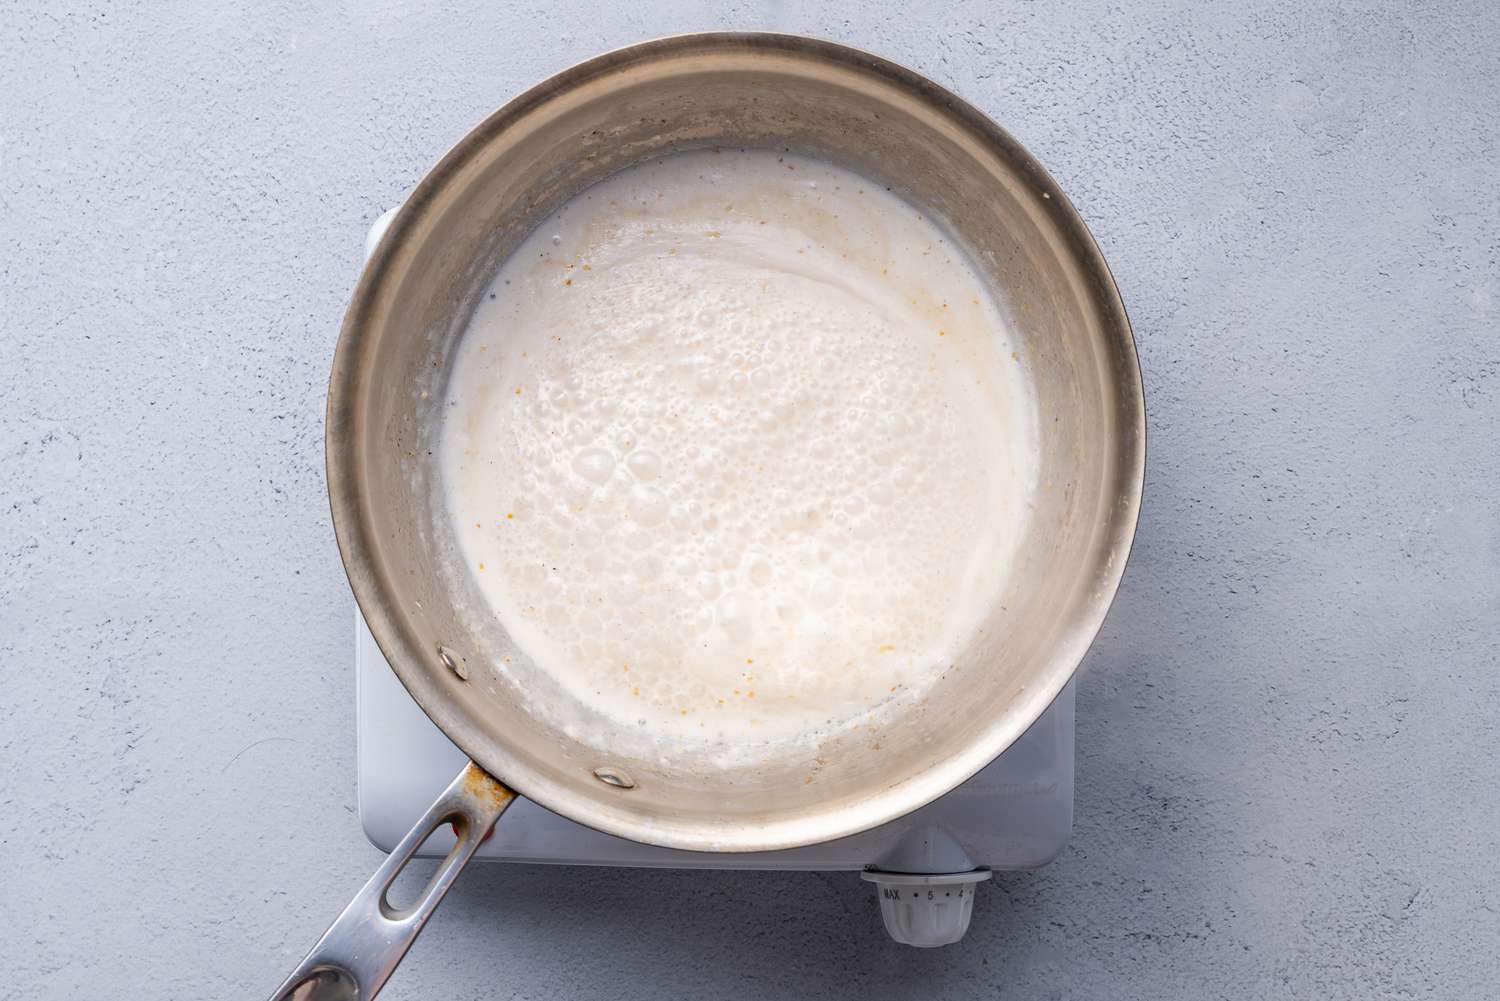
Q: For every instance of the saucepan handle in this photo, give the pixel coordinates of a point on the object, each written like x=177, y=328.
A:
x=362, y=947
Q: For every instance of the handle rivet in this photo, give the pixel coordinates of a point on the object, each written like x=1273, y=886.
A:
x=453, y=662
x=614, y=777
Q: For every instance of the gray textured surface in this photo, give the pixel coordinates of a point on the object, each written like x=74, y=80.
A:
x=1287, y=731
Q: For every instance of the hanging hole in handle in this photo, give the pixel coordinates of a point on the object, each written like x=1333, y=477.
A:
x=329, y=982
x=412, y=881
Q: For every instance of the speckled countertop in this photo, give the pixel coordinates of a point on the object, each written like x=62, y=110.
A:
x=1287, y=737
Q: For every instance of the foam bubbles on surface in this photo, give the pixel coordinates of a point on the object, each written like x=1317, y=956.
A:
x=739, y=455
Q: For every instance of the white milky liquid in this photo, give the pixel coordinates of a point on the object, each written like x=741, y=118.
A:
x=738, y=449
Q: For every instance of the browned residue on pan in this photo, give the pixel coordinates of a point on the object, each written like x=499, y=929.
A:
x=479, y=784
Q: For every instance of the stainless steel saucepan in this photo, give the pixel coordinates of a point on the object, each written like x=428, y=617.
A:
x=410, y=308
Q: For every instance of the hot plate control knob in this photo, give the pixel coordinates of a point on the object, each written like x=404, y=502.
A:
x=925, y=909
